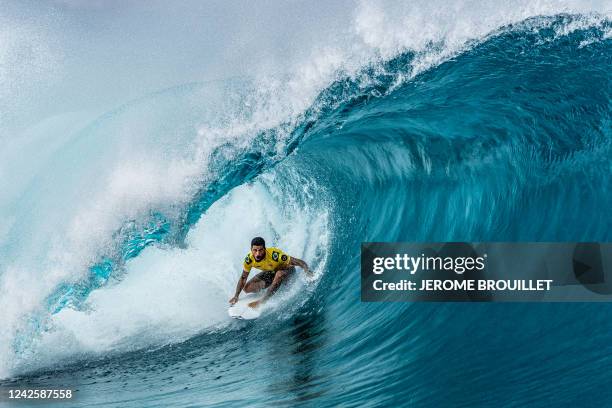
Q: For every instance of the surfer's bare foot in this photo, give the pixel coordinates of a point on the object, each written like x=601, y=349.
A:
x=254, y=304
x=233, y=300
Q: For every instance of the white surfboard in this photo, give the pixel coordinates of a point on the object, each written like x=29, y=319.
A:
x=241, y=309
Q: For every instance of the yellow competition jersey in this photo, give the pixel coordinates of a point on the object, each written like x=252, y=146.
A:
x=274, y=260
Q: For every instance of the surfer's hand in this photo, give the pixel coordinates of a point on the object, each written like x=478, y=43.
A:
x=233, y=300
x=254, y=304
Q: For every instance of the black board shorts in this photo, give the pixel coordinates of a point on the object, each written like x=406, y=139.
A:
x=268, y=276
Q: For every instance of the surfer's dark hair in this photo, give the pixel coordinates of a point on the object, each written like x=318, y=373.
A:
x=259, y=241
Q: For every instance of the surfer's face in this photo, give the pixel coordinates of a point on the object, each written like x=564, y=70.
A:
x=259, y=252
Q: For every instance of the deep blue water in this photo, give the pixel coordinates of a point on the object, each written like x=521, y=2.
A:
x=508, y=140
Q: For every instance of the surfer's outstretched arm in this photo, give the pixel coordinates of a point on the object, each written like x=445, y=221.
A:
x=239, y=286
x=301, y=264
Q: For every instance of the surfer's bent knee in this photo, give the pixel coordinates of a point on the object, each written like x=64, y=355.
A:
x=288, y=271
x=249, y=287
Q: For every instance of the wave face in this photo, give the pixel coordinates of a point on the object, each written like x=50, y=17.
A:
x=122, y=236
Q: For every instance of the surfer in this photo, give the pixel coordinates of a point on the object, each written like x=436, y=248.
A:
x=275, y=266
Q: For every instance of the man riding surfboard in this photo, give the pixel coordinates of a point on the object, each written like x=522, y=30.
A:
x=275, y=266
